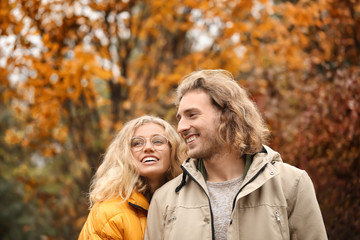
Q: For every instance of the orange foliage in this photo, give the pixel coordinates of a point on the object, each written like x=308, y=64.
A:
x=71, y=73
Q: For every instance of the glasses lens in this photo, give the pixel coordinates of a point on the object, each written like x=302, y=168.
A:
x=159, y=141
x=137, y=143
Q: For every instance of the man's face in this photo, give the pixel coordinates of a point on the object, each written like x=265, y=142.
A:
x=198, y=121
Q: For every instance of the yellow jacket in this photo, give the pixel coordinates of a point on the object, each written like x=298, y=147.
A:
x=114, y=219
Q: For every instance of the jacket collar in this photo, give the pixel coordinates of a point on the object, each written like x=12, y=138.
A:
x=258, y=160
x=261, y=170
x=189, y=168
x=138, y=200
x=266, y=157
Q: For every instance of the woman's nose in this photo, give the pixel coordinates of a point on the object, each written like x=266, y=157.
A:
x=148, y=146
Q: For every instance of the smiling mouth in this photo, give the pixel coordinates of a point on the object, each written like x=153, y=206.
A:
x=191, y=139
x=149, y=159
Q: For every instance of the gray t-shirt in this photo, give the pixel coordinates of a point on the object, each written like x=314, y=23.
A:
x=222, y=195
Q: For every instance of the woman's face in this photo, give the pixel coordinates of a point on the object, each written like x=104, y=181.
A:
x=151, y=151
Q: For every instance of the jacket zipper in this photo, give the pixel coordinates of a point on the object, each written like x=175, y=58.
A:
x=278, y=220
x=212, y=221
x=251, y=180
x=211, y=213
x=277, y=216
x=137, y=206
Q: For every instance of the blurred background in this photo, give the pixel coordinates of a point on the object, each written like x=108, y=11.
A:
x=72, y=72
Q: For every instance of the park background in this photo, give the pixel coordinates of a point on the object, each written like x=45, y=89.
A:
x=72, y=72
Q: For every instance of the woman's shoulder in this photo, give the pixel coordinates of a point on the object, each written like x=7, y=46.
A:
x=107, y=218
x=106, y=210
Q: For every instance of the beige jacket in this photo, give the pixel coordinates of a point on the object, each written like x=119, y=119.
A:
x=276, y=201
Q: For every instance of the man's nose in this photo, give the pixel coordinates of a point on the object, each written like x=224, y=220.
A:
x=183, y=126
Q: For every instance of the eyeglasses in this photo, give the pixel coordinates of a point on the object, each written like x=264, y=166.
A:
x=159, y=142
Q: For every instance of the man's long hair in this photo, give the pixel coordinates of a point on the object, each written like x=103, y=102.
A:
x=241, y=124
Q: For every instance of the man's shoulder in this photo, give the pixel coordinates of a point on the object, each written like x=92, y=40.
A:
x=288, y=170
x=170, y=186
x=284, y=167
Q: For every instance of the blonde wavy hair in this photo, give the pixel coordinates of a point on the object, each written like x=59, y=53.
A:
x=117, y=175
x=241, y=124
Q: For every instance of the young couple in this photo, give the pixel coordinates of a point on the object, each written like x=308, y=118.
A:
x=232, y=187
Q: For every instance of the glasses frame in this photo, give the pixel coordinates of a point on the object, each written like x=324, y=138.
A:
x=158, y=148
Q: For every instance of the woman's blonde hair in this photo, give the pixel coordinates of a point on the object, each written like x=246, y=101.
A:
x=117, y=175
x=241, y=124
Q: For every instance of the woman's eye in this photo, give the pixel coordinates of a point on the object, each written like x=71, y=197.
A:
x=158, y=140
x=137, y=143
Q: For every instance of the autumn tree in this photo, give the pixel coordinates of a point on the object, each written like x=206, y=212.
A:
x=72, y=72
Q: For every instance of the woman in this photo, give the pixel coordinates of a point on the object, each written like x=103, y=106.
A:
x=145, y=154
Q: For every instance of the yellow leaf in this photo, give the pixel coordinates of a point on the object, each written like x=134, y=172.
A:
x=60, y=134
x=126, y=105
x=103, y=74
x=12, y=137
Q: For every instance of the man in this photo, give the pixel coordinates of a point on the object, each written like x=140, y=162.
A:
x=233, y=186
